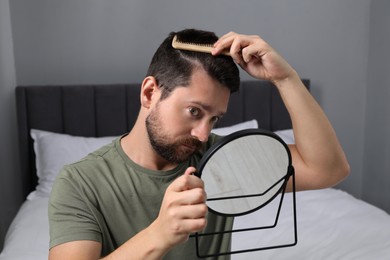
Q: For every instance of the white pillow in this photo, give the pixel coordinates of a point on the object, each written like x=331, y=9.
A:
x=234, y=128
x=53, y=151
x=286, y=135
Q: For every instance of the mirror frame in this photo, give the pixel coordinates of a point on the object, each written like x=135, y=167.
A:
x=229, y=138
x=290, y=173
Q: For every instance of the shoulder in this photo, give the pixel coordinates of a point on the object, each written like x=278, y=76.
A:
x=97, y=159
x=90, y=169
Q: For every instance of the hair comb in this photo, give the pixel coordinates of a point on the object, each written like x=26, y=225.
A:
x=198, y=47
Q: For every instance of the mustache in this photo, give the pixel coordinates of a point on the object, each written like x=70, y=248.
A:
x=191, y=142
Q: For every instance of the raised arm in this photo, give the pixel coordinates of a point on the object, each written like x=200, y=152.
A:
x=317, y=155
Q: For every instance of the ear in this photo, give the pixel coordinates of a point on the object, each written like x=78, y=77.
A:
x=150, y=92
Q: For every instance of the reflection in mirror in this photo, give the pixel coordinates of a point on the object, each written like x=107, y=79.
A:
x=244, y=172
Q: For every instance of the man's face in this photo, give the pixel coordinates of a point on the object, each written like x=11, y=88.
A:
x=178, y=125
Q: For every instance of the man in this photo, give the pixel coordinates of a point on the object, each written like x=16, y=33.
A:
x=137, y=198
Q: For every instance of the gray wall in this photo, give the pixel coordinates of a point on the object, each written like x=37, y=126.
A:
x=100, y=41
x=376, y=181
x=10, y=197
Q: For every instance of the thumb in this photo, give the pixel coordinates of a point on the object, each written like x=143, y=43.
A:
x=190, y=171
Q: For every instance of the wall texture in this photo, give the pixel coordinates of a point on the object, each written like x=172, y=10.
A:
x=99, y=41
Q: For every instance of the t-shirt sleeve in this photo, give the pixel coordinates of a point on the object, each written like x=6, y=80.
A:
x=70, y=213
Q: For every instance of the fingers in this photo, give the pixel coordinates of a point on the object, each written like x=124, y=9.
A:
x=189, y=196
x=255, y=56
x=187, y=181
x=242, y=48
x=190, y=171
x=225, y=43
x=183, y=210
x=187, y=219
x=193, y=225
x=187, y=190
x=189, y=212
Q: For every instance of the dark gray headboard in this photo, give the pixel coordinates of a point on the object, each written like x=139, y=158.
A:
x=109, y=110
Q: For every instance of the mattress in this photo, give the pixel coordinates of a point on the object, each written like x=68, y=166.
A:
x=331, y=224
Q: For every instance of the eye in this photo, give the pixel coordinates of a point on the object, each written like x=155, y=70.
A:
x=215, y=119
x=194, y=111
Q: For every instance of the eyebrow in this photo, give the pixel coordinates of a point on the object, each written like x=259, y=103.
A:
x=207, y=107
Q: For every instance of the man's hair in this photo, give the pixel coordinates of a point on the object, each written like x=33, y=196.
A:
x=171, y=67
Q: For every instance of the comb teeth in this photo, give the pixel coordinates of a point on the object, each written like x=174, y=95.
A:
x=189, y=46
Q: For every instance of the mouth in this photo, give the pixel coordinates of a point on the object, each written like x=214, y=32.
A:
x=191, y=146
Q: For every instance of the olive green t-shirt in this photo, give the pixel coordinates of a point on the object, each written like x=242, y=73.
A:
x=108, y=198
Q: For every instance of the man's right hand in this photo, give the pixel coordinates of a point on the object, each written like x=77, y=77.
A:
x=183, y=210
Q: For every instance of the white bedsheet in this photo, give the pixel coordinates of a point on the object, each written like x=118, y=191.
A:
x=331, y=225
x=28, y=235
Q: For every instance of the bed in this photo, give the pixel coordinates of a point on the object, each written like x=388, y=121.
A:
x=59, y=124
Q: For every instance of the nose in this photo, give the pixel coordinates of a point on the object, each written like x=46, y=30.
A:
x=201, y=132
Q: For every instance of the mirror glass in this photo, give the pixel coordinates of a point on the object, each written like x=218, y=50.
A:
x=244, y=171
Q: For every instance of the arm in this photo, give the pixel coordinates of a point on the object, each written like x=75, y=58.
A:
x=183, y=211
x=318, y=158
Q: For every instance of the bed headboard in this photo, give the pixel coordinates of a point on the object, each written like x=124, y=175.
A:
x=111, y=110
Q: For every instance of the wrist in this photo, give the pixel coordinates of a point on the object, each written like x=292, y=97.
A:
x=147, y=244
x=291, y=80
x=158, y=244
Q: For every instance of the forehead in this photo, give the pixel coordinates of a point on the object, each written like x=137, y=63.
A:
x=203, y=89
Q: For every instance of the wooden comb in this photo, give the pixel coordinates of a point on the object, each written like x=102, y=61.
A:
x=198, y=47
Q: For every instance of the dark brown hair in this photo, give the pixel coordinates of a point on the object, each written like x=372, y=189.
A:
x=172, y=67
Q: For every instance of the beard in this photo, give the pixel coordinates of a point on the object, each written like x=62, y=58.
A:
x=163, y=144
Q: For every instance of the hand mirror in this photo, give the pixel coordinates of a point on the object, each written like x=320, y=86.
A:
x=244, y=171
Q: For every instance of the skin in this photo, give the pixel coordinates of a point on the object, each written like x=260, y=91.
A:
x=317, y=156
